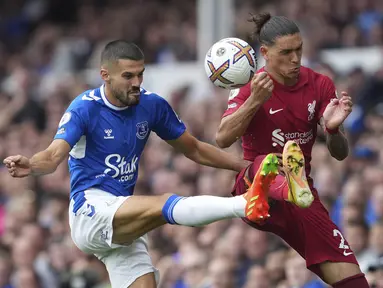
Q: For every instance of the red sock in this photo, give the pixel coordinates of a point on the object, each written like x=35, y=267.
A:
x=356, y=281
x=279, y=190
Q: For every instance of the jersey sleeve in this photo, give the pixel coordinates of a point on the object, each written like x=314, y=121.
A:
x=327, y=92
x=168, y=126
x=236, y=98
x=71, y=126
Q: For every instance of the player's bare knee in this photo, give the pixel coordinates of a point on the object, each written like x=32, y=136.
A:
x=137, y=216
x=165, y=198
x=154, y=209
x=140, y=207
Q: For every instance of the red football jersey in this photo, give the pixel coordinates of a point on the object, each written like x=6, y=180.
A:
x=291, y=113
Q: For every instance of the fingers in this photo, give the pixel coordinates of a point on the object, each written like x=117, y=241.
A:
x=345, y=100
x=11, y=159
x=12, y=170
x=259, y=76
x=347, y=103
x=262, y=76
x=263, y=80
x=17, y=173
x=345, y=97
x=269, y=85
x=8, y=162
x=347, y=108
x=344, y=94
x=333, y=102
x=260, y=79
x=11, y=163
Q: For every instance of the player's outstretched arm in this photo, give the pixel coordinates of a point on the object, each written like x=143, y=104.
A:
x=206, y=154
x=233, y=126
x=44, y=162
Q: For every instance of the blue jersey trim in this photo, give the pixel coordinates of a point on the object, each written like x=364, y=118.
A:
x=79, y=200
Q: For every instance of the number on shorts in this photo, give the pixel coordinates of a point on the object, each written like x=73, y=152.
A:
x=336, y=233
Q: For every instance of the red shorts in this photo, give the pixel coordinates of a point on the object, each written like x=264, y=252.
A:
x=308, y=231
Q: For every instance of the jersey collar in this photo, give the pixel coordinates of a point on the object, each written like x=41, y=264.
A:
x=107, y=103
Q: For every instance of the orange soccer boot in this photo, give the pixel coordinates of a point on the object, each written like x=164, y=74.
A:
x=257, y=207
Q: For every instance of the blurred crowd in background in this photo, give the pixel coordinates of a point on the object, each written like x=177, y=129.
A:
x=44, y=48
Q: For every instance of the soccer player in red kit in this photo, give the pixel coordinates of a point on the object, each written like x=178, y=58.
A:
x=278, y=112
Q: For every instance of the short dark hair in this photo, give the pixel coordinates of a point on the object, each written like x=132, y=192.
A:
x=121, y=49
x=268, y=28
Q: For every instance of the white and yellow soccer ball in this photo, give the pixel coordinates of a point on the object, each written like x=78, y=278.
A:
x=230, y=63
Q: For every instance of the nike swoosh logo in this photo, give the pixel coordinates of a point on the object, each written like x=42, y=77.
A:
x=347, y=253
x=271, y=111
x=111, y=202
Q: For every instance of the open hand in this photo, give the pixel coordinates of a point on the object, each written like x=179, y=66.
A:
x=337, y=111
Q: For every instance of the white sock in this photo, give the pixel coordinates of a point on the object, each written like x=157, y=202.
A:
x=203, y=210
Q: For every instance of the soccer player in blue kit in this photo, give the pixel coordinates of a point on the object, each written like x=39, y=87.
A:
x=104, y=131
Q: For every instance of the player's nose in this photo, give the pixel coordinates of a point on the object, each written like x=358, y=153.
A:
x=295, y=58
x=136, y=82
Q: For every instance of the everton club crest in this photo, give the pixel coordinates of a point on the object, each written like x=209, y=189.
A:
x=142, y=130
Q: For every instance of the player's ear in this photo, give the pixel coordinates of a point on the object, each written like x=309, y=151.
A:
x=104, y=74
x=264, y=51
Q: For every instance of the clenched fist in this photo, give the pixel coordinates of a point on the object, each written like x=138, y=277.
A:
x=18, y=166
x=261, y=87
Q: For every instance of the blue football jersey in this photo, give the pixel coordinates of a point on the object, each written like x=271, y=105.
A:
x=107, y=141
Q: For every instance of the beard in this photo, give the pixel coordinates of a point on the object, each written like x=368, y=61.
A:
x=127, y=98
